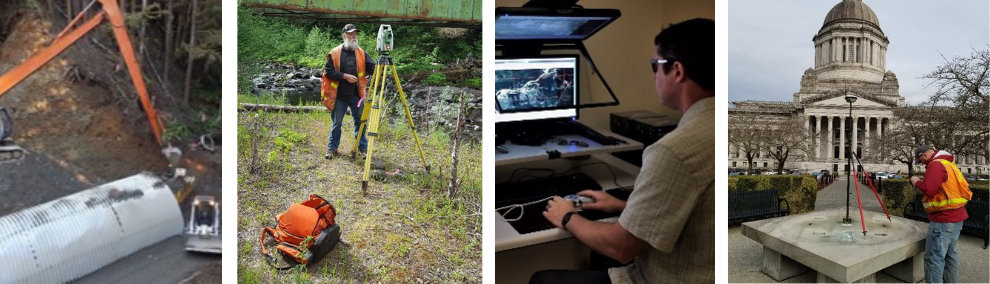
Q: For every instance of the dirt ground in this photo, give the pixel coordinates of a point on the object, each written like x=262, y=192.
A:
x=79, y=130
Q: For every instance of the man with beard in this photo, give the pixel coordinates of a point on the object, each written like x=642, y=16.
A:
x=345, y=80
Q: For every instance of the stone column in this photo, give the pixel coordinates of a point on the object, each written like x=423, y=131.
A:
x=834, y=48
x=828, y=138
x=807, y=131
x=842, y=138
x=818, y=137
x=866, y=134
x=855, y=138
x=856, y=49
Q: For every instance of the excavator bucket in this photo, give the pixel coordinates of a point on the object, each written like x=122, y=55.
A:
x=9, y=151
x=203, y=231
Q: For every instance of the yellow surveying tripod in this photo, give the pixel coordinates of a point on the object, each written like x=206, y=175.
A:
x=375, y=99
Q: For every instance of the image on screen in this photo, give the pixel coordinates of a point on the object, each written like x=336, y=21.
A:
x=535, y=84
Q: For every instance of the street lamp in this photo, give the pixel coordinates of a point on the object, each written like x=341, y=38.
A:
x=851, y=99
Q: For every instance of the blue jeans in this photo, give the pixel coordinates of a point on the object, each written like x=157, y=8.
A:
x=941, y=257
x=337, y=117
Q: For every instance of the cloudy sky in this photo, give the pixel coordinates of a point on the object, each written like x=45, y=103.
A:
x=770, y=41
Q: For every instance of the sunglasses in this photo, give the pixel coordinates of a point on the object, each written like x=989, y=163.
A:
x=655, y=62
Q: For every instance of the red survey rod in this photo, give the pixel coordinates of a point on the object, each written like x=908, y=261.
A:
x=862, y=221
x=878, y=198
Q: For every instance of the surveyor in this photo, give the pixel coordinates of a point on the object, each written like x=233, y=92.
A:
x=667, y=226
x=347, y=70
x=944, y=196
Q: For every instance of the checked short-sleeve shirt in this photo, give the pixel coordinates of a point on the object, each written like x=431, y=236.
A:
x=672, y=207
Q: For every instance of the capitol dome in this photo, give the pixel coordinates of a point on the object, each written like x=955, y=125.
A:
x=852, y=10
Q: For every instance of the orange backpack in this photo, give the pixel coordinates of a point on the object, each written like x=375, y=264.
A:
x=305, y=233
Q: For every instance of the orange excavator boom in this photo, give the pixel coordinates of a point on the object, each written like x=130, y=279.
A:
x=110, y=11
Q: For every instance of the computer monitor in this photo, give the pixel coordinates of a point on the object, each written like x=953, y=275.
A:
x=549, y=25
x=536, y=88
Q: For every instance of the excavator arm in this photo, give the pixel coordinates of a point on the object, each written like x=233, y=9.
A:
x=72, y=33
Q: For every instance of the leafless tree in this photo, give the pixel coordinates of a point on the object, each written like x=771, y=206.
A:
x=786, y=138
x=897, y=144
x=954, y=118
x=747, y=138
x=958, y=116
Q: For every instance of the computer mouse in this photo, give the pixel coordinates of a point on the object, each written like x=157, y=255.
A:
x=580, y=198
x=501, y=149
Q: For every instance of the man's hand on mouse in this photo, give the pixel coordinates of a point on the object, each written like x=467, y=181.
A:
x=556, y=208
x=603, y=201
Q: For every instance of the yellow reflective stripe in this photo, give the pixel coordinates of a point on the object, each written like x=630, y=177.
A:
x=945, y=202
x=959, y=176
x=333, y=85
x=361, y=74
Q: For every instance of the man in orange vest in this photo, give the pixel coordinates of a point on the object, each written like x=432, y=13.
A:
x=945, y=193
x=345, y=80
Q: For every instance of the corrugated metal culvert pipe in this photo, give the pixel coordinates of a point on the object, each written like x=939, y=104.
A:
x=72, y=236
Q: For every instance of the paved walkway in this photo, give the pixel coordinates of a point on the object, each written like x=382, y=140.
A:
x=745, y=255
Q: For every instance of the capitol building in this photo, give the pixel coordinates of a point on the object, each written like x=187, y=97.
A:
x=850, y=59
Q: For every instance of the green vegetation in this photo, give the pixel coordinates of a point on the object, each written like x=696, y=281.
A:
x=801, y=191
x=417, y=48
x=897, y=193
x=436, y=79
x=400, y=232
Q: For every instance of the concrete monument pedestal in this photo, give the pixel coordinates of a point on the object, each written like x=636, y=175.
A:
x=840, y=252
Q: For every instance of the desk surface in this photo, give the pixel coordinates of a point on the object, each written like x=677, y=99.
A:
x=506, y=237
x=522, y=153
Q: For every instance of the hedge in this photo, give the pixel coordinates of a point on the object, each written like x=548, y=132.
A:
x=897, y=193
x=800, y=191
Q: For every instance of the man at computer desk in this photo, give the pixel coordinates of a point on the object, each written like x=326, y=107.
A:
x=666, y=228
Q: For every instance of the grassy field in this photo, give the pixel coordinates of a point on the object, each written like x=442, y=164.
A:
x=405, y=230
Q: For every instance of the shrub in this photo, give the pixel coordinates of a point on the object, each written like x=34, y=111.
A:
x=801, y=192
x=435, y=79
x=898, y=193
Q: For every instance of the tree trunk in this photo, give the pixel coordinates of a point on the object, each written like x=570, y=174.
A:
x=252, y=107
x=192, y=43
x=144, y=26
x=749, y=164
x=168, y=40
x=454, y=181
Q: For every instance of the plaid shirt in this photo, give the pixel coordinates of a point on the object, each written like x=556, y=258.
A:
x=673, y=205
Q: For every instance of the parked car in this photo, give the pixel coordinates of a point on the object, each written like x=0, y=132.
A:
x=770, y=172
x=826, y=173
x=881, y=175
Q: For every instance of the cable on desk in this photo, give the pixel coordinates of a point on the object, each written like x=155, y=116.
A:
x=521, y=208
x=615, y=178
x=513, y=176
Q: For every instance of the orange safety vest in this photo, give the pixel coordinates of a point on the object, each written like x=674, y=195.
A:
x=955, y=191
x=328, y=88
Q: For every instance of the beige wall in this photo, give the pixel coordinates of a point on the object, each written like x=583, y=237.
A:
x=623, y=49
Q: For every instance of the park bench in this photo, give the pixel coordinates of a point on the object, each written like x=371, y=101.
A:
x=978, y=223
x=756, y=204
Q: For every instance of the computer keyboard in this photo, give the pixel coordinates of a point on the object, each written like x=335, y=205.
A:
x=517, y=192
x=525, y=191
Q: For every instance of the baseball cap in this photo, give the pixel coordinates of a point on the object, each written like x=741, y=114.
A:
x=350, y=28
x=917, y=153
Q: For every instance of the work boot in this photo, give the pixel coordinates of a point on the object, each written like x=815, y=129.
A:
x=330, y=154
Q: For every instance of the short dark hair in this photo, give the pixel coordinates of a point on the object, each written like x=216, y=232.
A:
x=692, y=43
